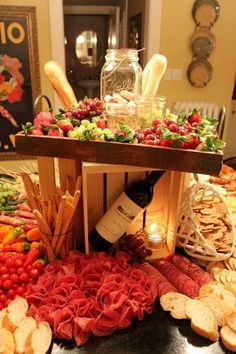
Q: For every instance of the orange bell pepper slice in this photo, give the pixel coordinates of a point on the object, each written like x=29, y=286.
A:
x=34, y=234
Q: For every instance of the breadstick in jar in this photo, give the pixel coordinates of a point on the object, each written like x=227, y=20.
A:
x=59, y=82
x=153, y=73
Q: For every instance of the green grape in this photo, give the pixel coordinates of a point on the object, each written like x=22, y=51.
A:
x=11, y=193
x=85, y=123
x=92, y=126
x=72, y=134
x=3, y=201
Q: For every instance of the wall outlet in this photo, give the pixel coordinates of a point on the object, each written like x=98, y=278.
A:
x=177, y=74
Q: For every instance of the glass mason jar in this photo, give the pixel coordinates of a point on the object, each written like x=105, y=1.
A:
x=121, y=75
x=149, y=108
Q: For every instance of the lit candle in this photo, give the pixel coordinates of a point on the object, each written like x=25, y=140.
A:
x=155, y=235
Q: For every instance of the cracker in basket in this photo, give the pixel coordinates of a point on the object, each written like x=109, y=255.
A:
x=214, y=224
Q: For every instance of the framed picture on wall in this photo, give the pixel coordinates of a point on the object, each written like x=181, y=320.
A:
x=19, y=73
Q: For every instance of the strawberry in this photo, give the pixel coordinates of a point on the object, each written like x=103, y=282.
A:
x=65, y=125
x=30, y=129
x=54, y=131
x=194, y=117
x=193, y=143
x=44, y=118
x=36, y=131
x=101, y=123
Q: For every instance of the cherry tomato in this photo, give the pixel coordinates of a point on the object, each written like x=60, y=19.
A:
x=20, y=290
x=1, y=292
x=7, y=248
x=34, y=274
x=11, y=293
x=4, y=257
x=23, y=277
x=7, y=302
x=18, y=263
x=28, y=268
x=12, y=270
x=1, y=282
x=1, y=306
x=3, y=270
x=20, y=270
x=14, y=277
x=22, y=257
x=5, y=276
x=3, y=298
x=38, y=266
x=7, y=284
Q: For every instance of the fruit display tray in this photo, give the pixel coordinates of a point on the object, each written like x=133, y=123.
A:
x=121, y=153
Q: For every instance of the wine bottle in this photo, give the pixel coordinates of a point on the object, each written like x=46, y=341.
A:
x=128, y=207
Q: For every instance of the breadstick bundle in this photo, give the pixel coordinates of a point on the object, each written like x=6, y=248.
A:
x=54, y=216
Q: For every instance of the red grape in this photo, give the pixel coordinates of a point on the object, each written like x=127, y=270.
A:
x=150, y=137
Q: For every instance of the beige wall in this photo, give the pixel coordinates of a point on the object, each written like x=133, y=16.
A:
x=176, y=28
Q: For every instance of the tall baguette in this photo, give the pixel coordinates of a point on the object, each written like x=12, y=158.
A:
x=152, y=74
x=59, y=82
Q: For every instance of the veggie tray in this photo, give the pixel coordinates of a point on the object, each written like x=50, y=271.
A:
x=186, y=160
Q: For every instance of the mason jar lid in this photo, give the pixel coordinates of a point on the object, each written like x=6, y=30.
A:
x=122, y=53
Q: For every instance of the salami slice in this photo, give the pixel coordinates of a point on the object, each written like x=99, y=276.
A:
x=162, y=283
x=192, y=270
x=179, y=280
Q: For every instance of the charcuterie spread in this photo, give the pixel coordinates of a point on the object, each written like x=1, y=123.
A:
x=52, y=287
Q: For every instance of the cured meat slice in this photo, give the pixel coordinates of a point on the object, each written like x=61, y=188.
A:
x=181, y=281
x=162, y=283
x=83, y=294
x=192, y=270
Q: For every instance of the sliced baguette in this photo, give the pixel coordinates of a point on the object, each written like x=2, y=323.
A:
x=16, y=311
x=212, y=287
x=26, y=326
x=230, y=319
x=216, y=306
x=228, y=337
x=231, y=287
x=40, y=339
x=2, y=314
x=203, y=321
x=6, y=342
x=175, y=303
x=228, y=298
x=152, y=74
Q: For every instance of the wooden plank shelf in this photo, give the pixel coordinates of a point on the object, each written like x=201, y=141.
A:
x=120, y=153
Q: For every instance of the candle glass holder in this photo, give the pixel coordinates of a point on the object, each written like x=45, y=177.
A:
x=155, y=235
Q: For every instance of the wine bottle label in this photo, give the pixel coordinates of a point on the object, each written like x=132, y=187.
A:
x=116, y=220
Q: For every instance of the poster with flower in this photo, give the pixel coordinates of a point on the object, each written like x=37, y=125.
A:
x=19, y=73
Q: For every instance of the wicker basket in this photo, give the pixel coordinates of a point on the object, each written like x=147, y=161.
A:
x=189, y=235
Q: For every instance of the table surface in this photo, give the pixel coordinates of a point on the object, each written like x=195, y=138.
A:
x=157, y=333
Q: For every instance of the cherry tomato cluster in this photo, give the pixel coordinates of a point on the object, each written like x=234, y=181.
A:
x=14, y=277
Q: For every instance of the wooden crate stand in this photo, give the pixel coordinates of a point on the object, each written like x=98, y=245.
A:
x=103, y=183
